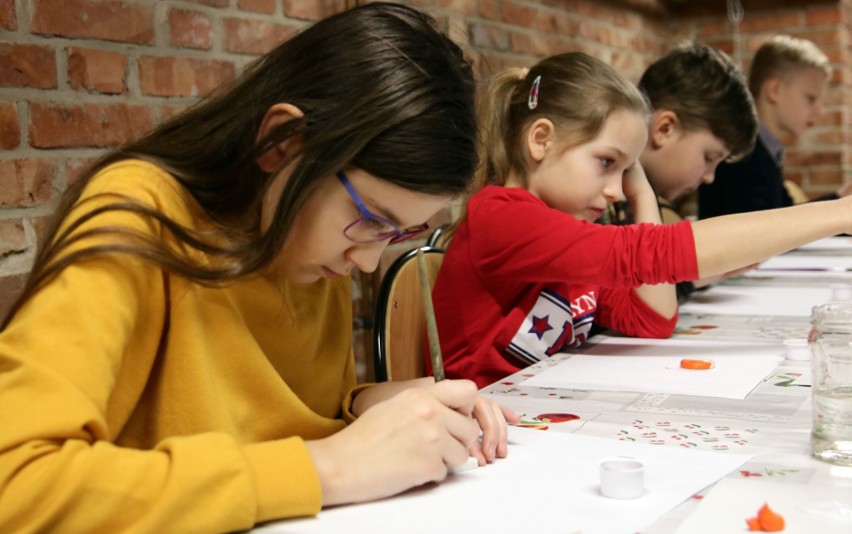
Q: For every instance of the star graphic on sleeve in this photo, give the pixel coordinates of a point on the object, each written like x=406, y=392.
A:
x=540, y=325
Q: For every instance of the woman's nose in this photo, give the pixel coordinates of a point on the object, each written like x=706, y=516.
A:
x=366, y=256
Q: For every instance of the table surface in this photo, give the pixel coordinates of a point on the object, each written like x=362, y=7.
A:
x=772, y=423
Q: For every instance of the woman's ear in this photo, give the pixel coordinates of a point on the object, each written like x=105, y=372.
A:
x=665, y=126
x=540, y=137
x=276, y=116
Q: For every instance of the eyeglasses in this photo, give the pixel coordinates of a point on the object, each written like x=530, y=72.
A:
x=369, y=227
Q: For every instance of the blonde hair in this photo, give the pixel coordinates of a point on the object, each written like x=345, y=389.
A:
x=574, y=90
x=783, y=55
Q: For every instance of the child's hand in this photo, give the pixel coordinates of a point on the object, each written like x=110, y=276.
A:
x=635, y=184
x=640, y=196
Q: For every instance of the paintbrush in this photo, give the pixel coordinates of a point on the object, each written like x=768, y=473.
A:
x=429, y=313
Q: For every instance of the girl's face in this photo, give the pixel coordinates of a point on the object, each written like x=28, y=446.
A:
x=582, y=180
x=317, y=247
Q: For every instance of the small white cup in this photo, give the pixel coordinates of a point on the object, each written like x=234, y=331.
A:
x=622, y=477
x=797, y=349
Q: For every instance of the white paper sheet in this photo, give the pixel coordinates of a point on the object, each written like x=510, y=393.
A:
x=787, y=300
x=804, y=507
x=653, y=366
x=803, y=262
x=840, y=244
x=549, y=483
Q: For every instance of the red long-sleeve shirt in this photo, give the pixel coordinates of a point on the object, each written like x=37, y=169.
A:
x=522, y=281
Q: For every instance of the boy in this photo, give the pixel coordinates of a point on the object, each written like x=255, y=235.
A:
x=788, y=80
x=703, y=115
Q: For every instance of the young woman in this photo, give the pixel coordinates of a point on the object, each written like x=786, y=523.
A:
x=181, y=357
x=528, y=269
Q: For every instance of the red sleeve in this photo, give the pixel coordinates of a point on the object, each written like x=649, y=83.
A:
x=624, y=311
x=515, y=236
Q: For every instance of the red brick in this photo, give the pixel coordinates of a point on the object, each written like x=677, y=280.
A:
x=796, y=158
x=771, y=22
x=835, y=54
x=545, y=45
x=825, y=177
x=261, y=6
x=40, y=225
x=24, y=65
x=25, y=182
x=111, y=20
x=459, y=31
x=466, y=8
x=75, y=167
x=828, y=15
x=628, y=64
x=94, y=125
x=712, y=28
x=830, y=118
x=489, y=9
x=723, y=43
x=181, y=76
x=167, y=112
x=252, y=36
x=489, y=36
x=10, y=287
x=829, y=36
x=191, y=29
x=521, y=42
x=97, y=70
x=554, y=22
x=10, y=130
x=488, y=64
x=829, y=137
x=8, y=18
x=314, y=10
x=519, y=15
x=13, y=238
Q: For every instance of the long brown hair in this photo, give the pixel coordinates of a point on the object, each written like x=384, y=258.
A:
x=380, y=88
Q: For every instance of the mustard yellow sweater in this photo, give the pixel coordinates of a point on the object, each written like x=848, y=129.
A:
x=134, y=400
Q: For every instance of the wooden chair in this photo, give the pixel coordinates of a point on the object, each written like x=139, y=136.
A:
x=399, y=326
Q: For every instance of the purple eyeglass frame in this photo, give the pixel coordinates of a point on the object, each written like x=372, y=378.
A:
x=395, y=235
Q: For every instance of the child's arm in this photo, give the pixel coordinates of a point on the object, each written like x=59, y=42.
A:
x=726, y=243
x=662, y=298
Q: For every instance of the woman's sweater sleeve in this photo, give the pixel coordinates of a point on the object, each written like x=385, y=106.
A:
x=61, y=359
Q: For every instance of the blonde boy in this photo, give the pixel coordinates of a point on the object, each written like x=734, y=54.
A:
x=788, y=81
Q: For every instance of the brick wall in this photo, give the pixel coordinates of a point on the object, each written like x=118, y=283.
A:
x=80, y=76
x=823, y=157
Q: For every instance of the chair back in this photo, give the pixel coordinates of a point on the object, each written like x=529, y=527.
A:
x=399, y=326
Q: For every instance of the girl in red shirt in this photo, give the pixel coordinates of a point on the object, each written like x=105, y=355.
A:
x=528, y=269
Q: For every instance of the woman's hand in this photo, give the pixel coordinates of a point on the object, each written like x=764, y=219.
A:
x=492, y=418
x=410, y=433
